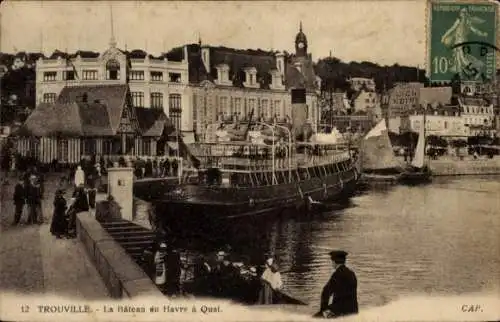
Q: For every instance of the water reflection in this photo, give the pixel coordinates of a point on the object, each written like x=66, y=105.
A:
x=437, y=239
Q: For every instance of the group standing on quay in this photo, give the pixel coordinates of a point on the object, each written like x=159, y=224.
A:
x=86, y=177
x=218, y=276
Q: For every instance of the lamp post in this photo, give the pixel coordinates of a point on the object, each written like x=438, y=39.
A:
x=272, y=150
x=289, y=150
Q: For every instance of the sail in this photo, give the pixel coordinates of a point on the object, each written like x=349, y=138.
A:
x=377, y=152
x=418, y=160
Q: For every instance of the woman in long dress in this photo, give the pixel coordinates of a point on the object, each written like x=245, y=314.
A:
x=58, y=226
x=270, y=283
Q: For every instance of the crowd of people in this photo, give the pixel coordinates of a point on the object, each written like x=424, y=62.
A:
x=213, y=275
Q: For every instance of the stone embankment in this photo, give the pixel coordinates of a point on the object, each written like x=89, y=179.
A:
x=454, y=167
x=121, y=275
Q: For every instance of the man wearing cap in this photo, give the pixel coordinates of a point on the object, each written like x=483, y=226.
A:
x=342, y=286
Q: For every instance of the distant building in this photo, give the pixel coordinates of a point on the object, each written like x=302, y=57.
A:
x=470, y=88
x=358, y=83
x=358, y=122
x=435, y=96
x=478, y=115
x=403, y=98
x=444, y=121
x=369, y=103
x=334, y=101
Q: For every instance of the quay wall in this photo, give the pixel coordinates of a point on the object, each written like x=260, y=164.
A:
x=454, y=167
x=121, y=275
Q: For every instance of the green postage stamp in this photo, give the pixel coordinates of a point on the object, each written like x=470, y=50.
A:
x=462, y=40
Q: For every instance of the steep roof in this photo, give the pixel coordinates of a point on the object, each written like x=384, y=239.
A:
x=112, y=96
x=152, y=122
x=53, y=120
x=239, y=59
x=77, y=118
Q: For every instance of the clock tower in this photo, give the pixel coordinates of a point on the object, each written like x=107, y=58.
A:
x=301, y=43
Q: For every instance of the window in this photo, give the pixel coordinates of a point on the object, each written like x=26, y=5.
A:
x=146, y=147
x=174, y=77
x=277, y=108
x=174, y=104
x=157, y=76
x=49, y=98
x=89, y=74
x=265, y=109
x=137, y=75
x=112, y=70
x=224, y=106
x=137, y=99
x=157, y=100
x=107, y=147
x=49, y=76
x=237, y=105
x=89, y=146
x=62, y=150
x=251, y=106
x=69, y=75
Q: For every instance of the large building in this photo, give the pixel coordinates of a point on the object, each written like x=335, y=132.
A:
x=403, y=98
x=155, y=82
x=478, y=115
x=195, y=85
x=228, y=84
x=444, y=121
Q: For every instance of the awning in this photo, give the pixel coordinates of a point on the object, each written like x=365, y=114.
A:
x=173, y=145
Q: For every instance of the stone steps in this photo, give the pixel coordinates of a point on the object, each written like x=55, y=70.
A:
x=134, y=239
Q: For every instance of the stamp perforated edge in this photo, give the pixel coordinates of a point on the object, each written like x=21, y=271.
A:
x=428, y=19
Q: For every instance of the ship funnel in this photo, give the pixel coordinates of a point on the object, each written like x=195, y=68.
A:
x=299, y=111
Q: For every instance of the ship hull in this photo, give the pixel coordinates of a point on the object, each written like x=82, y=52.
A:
x=209, y=204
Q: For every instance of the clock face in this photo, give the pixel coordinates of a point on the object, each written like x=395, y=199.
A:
x=301, y=45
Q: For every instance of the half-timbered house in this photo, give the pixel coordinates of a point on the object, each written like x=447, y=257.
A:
x=92, y=120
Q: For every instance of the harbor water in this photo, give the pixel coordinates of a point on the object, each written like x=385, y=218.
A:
x=440, y=239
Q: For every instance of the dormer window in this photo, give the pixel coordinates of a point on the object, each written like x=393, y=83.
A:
x=251, y=77
x=223, y=74
x=112, y=70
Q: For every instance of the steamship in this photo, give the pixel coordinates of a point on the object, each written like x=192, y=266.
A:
x=266, y=168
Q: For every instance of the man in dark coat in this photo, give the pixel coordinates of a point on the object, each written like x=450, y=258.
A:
x=342, y=286
x=19, y=200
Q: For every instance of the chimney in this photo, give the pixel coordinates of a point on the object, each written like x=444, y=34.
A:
x=205, y=57
x=299, y=110
x=280, y=62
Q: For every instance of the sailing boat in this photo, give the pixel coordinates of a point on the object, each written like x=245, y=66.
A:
x=378, y=162
x=418, y=171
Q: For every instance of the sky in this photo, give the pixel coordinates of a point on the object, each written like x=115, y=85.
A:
x=384, y=32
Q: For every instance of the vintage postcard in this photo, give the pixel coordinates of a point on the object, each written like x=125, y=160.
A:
x=250, y=160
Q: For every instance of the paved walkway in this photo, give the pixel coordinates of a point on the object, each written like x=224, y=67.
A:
x=34, y=261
